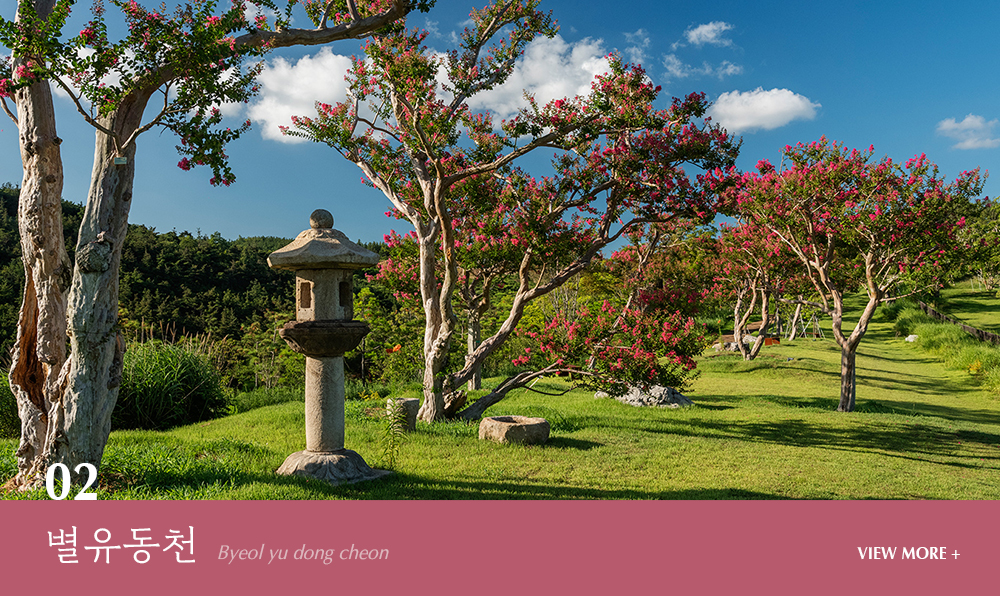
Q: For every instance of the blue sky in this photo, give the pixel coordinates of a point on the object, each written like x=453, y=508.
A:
x=911, y=80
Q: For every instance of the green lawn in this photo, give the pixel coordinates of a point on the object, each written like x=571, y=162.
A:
x=760, y=430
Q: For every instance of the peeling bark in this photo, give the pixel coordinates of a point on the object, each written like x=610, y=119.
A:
x=40, y=349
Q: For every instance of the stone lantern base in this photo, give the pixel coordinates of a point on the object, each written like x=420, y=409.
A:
x=336, y=467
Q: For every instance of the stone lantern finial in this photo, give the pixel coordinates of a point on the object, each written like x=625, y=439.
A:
x=321, y=219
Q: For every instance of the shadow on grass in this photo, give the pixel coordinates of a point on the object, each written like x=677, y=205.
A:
x=567, y=443
x=914, y=440
x=402, y=486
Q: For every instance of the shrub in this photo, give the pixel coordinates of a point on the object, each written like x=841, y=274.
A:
x=166, y=385
x=10, y=424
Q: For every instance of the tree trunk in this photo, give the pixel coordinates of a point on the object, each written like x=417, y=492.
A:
x=436, y=335
x=98, y=349
x=765, y=320
x=78, y=419
x=796, y=321
x=40, y=349
x=474, y=337
x=848, y=357
x=477, y=409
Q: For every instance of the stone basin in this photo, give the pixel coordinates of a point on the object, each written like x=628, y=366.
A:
x=514, y=429
x=323, y=339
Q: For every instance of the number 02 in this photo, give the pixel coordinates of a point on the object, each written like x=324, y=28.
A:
x=83, y=495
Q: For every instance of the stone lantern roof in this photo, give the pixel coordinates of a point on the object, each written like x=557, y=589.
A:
x=322, y=247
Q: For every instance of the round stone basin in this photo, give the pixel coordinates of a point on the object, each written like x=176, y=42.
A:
x=514, y=429
x=323, y=339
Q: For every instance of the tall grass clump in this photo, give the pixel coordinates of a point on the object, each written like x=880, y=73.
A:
x=165, y=385
x=907, y=320
x=10, y=424
x=960, y=351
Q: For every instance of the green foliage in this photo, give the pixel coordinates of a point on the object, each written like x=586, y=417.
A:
x=166, y=385
x=10, y=424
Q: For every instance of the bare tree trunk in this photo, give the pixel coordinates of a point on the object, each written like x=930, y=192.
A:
x=477, y=409
x=796, y=320
x=740, y=318
x=436, y=334
x=765, y=320
x=849, y=346
x=40, y=349
x=95, y=368
x=83, y=389
x=474, y=336
x=848, y=357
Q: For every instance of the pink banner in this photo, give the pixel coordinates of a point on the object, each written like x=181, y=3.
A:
x=500, y=547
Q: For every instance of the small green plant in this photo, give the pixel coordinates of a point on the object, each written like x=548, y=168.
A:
x=393, y=433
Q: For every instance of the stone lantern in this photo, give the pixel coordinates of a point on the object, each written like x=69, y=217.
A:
x=324, y=260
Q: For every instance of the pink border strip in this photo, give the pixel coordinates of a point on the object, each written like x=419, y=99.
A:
x=505, y=547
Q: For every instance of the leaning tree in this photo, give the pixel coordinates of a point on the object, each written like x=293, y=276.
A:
x=857, y=224
x=617, y=165
x=166, y=72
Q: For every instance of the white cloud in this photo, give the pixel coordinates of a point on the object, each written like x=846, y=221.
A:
x=727, y=68
x=746, y=111
x=640, y=42
x=549, y=69
x=709, y=33
x=677, y=69
x=432, y=27
x=293, y=89
x=974, y=132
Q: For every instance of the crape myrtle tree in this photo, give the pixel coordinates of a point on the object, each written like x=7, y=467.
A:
x=167, y=72
x=622, y=349
x=858, y=224
x=666, y=265
x=983, y=237
x=420, y=144
x=753, y=267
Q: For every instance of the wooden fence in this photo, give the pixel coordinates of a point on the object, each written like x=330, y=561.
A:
x=976, y=333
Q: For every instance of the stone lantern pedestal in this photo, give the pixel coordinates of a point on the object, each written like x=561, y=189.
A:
x=323, y=260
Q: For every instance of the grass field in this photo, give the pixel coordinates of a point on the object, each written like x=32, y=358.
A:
x=766, y=429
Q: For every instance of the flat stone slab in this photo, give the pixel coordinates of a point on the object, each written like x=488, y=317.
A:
x=514, y=429
x=336, y=467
